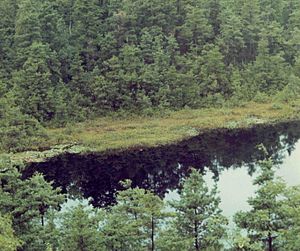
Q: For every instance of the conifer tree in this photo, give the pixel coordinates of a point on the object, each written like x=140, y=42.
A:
x=28, y=202
x=265, y=220
x=134, y=222
x=198, y=216
x=79, y=230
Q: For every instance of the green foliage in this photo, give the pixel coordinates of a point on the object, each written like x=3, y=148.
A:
x=238, y=93
x=198, y=216
x=291, y=209
x=28, y=202
x=62, y=61
x=169, y=240
x=290, y=92
x=213, y=72
x=133, y=224
x=261, y=97
x=8, y=240
x=17, y=130
x=272, y=220
x=67, y=60
x=243, y=243
x=79, y=230
x=37, y=85
x=142, y=221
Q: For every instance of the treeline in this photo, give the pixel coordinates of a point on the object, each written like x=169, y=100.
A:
x=67, y=59
x=30, y=220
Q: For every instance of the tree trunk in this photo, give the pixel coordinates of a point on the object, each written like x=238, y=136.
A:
x=197, y=246
x=152, y=234
x=270, y=242
x=42, y=220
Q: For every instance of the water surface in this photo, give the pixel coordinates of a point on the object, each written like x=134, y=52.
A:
x=228, y=157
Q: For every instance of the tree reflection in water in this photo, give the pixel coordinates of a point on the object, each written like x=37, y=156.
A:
x=162, y=168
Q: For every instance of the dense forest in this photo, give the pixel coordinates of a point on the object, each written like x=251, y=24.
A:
x=69, y=59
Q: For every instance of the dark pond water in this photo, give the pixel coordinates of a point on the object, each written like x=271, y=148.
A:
x=226, y=156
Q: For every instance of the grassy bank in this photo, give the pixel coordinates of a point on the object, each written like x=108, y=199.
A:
x=109, y=133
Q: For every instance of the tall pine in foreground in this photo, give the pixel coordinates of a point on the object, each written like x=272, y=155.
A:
x=198, y=223
x=28, y=202
x=79, y=230
x=134, y=223
x=265, y=221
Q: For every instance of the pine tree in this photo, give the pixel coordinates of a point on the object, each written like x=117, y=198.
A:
x=212, y=75
x=196, y=31
x=37, y=83
x=289, y=236
x=251, y=24
x=28, y=202
x=79, y=230
x=231, y=41
x=18, y=131
x=264, y=221
x=134, y=222
x=86, y=29
x=198, y=216
x=7, y=29
x=270, y=71
x=27, y=29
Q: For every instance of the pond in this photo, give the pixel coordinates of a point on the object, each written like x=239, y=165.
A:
x=227, y=156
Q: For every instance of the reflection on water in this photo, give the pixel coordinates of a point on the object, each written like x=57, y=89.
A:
x=228, y=156
x=235, y=185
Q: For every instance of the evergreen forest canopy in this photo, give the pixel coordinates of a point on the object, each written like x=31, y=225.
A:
x=63, y=60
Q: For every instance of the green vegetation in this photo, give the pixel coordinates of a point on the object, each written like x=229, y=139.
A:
x=117, y=133
x=65, y=61
x=198, y=217
x=272, y=219
x=141, y=220
x=266, y=219
x=104, y=75
x=8, y=240
x=27, y=202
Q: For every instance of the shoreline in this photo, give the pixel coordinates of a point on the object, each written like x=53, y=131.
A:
x=106, y=135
